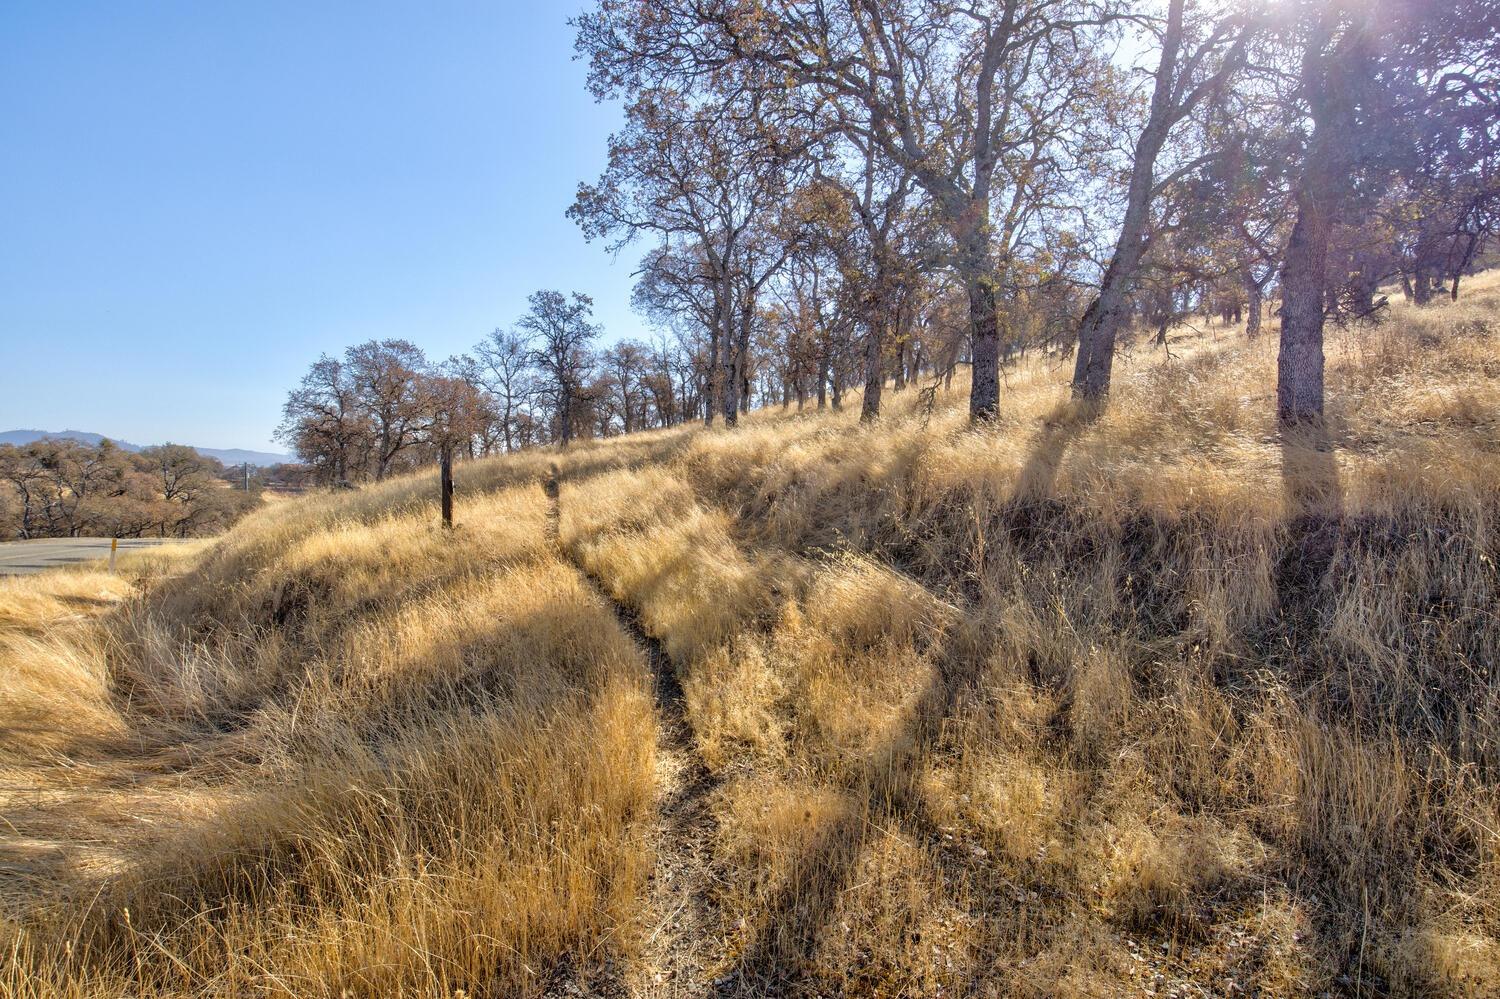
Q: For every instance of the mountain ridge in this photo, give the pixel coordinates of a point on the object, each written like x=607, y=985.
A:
x=229, y=456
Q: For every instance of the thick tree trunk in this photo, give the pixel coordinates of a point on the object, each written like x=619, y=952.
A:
x=1099, y=329
x=384, y=460
x=732, y=368
x=731, y=399
x=1299, y=364
x=564, y=413
x=720, y=336
x=874, y=373
x=742, y=352
x=1422, y=291
x=984, y=338
x=710, y=395
x=1331, y=81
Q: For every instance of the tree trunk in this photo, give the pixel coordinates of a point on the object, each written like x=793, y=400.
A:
x=874, y=375
x=984, y=338
x=1331, y=80
x=730, y=368
x=1101, y=322
x=731, y=400
x=564, y=412
x=1299, y=364
x=1422, y=291
x=719, y=338
x=1253, y=310
x=709, y=398
x=742, y=352
x=1100, y=327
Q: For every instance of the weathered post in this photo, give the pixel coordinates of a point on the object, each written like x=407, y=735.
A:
x=553, y=490
x=447, y=486
x=114, y=548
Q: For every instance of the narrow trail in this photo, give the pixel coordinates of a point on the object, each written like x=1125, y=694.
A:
x=681, y=952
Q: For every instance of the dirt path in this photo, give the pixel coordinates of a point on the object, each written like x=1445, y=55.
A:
x=681, y=953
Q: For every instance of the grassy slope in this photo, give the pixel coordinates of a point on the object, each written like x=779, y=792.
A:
x=1064, y=708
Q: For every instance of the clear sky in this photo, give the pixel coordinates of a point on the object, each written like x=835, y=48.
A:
x=197, y=198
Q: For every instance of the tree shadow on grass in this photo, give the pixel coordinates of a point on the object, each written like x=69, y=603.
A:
x=1038, y=476
x=1309, y=471
x=1314, y=503
x=790, y=925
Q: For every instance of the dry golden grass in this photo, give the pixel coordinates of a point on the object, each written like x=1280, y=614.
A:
x=1068, y=707
x=341, y=753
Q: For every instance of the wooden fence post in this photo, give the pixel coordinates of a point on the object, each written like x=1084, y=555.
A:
x=553, y=489
x=447, y=486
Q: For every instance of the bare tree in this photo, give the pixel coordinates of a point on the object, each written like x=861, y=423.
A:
x=626, y=363
x=698, y=179
x=562, y=332
x=390, y=382
x=323, y=421
x=960, y=95
x=1186, y=75
x=507, y=373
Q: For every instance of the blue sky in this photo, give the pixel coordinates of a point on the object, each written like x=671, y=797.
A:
x=199, y=198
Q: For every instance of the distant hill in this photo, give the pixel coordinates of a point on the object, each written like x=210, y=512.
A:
x=229, y=456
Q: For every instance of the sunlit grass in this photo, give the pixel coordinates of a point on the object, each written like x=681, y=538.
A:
x=1072, y=705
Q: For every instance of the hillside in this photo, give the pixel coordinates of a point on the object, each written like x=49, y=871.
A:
x=1156, y=703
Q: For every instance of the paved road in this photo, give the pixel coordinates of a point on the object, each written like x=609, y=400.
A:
x=19, y=557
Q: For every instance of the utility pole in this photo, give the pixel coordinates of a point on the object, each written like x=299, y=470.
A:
x=247, y=476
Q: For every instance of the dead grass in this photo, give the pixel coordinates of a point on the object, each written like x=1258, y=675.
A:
x=1156, y=700
x=342, y=753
